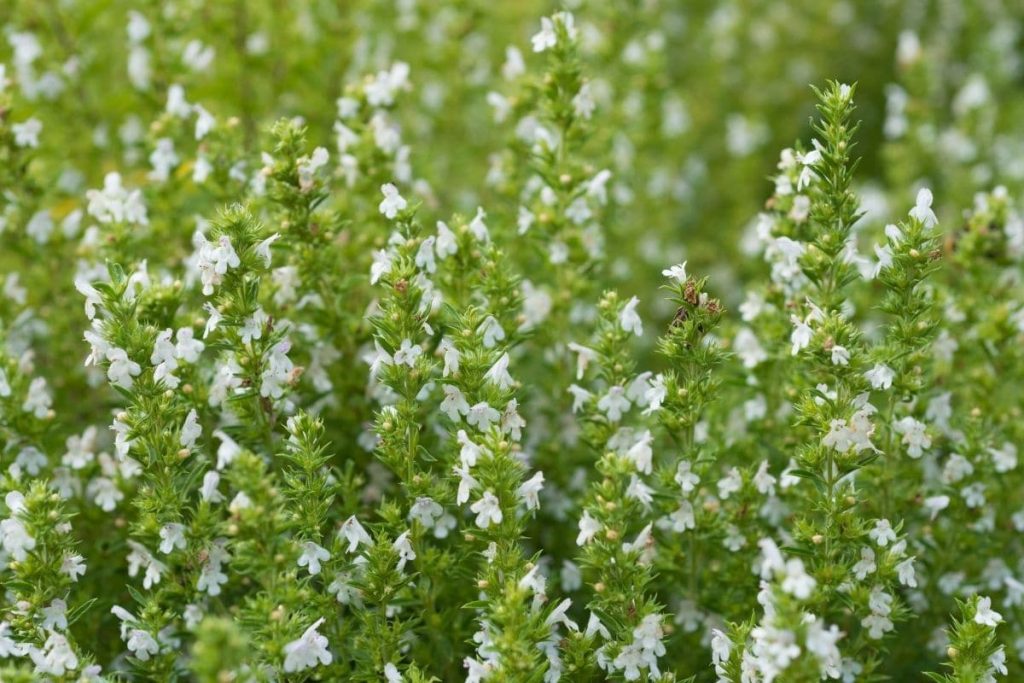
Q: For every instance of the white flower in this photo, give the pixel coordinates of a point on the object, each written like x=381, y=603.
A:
x=450, y=355
x=579, y=397
x=985, y=615
x=425, y=255
x=676, y=272
x=263, y=249
x=176, y=102
x=163, y=159
x=191, y=430
x=914, y=436
x=38, y=399
x=907, y=575
x=213, y=319
x=381, y=265
x=426, y=511
x=307, y=168
x=511, y=422
x=866, y=565
x=583, y=103
x=922, y=210
x=855, y=434
x=492, y=331
x=188, y=347
x=312, y=555
x=405, y=551
x=547, y=37
x=880, y=376
x=477, y=227
x=797, y=581
x=683, y=518
x=172, y=536
x=407, y=353
x=807, y=173
x=801, y=336
x=122, y=368
x=840, y=355
x=1004, y=459
x=208, y=491
x=211, y=578
x=8, y=646
x=614, y=403
x=628, y=318
x=454, y=403
x=655, y=394
x=721, y=649
x=731, y=483
x=165, y=359
x=882, y=533
x=588, y=528
x=469, y=452
x=278, y=372
x=382, y=88
x=936, y=504
x=92, y=297
x=997, y=661
x=640, y=492
x=55, y=616
x=584, y=356
x=763, y=481
x=141, y=644
x=488, y=510
x=307, y=651
x=392, y=202
x=55, y=657
x=482, y=416
x=73, y=566
x=392, y=674
x=884, y=254
x=686, y=477
x=197, y=56
x=498, y=374
x=640, y=452
x=26, y=133
x=445, y=245
x=204, y=122
x=530, y=489
x=213, y=260
x=353, y=532
x=466, y=484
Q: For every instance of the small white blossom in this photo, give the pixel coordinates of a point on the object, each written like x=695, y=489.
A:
x=882, y=533
x=629, y=320
x=985, y=615
x=922, y=210
x=307, y=651
x=311, y=557
x=353, y=532
x=488, y=510
x=393, y=202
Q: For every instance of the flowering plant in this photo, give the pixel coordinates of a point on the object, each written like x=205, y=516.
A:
x=347, y=362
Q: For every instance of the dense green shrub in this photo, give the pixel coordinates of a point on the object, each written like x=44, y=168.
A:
x=425, y=341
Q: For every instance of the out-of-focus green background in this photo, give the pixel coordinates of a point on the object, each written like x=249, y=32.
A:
x=698, y=96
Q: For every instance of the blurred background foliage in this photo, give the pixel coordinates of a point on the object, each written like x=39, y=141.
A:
x=697, y=97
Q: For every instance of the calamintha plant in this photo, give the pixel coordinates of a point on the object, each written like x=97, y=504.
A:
x=432, y=342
